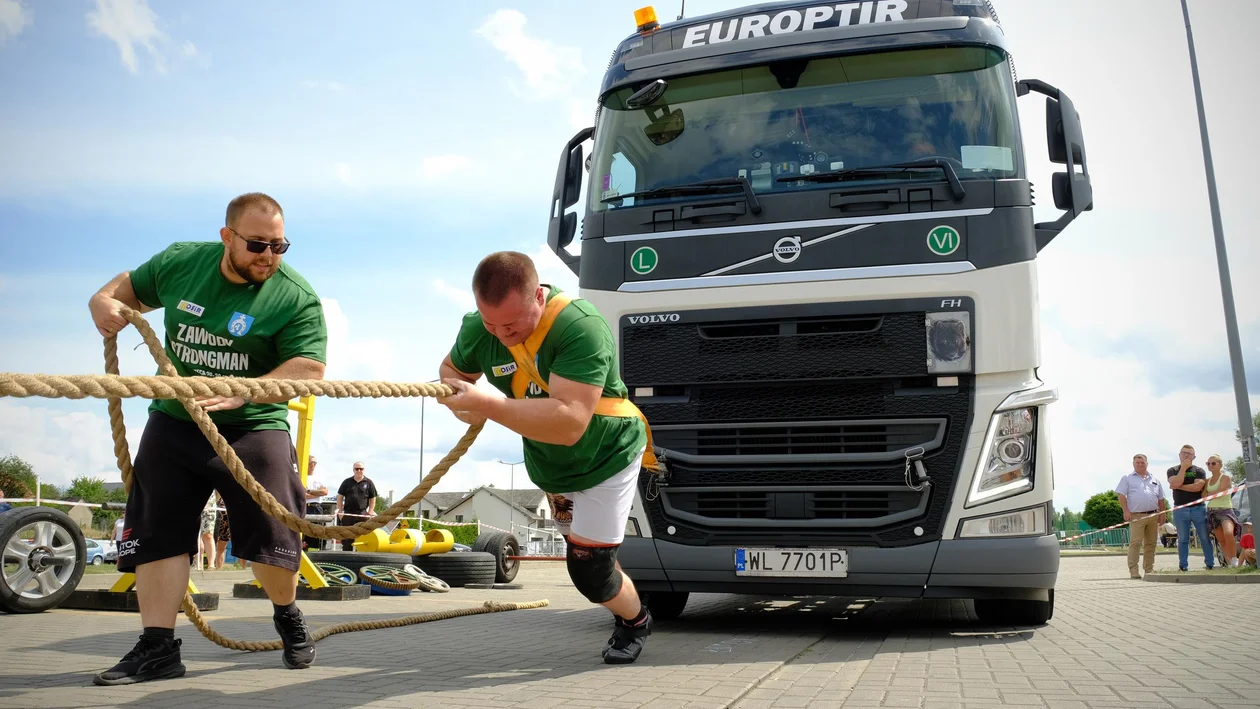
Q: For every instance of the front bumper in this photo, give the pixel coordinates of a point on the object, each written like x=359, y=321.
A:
x=1019, y=568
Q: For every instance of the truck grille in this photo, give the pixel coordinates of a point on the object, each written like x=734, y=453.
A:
x=794, y=428
x=775, y=349
x=798, y=441
x=857, y=506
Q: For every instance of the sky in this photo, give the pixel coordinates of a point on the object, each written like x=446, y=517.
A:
x=407, y=140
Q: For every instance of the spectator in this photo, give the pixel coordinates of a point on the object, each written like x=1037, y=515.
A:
x=119, y=525
x=1170, y=534
x=315, y=489
x=355, y=498
x=4, y=506
x=1222, y=521
x=205, y=542
x=222, y=533
x=1141, y=498
x=1187, y=481
x=1243, y=504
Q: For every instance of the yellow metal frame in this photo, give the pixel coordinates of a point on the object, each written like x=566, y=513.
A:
x=305, y=408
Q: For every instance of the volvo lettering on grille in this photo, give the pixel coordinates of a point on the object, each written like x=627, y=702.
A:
x=653, y=318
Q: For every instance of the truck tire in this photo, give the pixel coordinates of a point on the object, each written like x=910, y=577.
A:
x=500, y=545
x=459, y=568
x=56, y=552
x=666, y=605
x=1002, y=611
x=355, y=560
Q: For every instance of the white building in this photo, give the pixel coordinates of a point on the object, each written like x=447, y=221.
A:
x=525, y=512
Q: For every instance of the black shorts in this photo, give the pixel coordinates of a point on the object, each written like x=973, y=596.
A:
x=176, y=470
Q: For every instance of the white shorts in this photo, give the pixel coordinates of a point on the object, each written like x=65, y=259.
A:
x=600, y=513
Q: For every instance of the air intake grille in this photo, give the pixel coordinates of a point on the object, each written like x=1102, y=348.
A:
x=850, y=440
x=774, y=350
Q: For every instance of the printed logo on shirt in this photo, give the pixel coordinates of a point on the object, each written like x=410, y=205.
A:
x=240, y=323
x=502, y=370
x=190, y=307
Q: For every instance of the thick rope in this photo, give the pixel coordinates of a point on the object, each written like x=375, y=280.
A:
x=353, y=626
x=169, y=385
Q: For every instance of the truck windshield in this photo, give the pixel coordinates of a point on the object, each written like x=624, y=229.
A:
x=803, y=117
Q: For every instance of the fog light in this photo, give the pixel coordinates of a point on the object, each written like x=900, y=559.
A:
x=1008, y=524
x=948, y=342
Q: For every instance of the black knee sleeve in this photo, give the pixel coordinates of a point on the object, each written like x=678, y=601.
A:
x=594, y=571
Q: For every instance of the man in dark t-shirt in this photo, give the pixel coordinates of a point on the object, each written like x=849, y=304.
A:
x=1187, y=481
x=356, y=496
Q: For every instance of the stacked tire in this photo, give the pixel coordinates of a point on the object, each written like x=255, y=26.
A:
x=501, y=546
x=355, y=560
x=459, y=568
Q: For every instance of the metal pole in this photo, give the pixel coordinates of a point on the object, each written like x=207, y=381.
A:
x=1245, y=427
x=512, y=498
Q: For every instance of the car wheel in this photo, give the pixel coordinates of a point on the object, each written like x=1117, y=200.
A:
x=43, y=559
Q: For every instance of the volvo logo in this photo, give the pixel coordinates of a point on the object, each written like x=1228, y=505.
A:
x=787, y=249
x=654, y=318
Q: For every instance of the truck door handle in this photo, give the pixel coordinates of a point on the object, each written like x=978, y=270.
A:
x=737, y=209
x=892, y=196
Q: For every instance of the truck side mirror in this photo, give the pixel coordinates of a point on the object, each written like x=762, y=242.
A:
x=1065, y=139
x=561, y=227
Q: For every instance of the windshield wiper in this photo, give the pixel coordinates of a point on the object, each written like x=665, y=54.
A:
x=955, y=184
x=720, y=184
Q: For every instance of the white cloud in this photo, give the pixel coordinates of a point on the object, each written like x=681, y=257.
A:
x=14, y=18
x=358, y=358
x=549, y=69
x=62, y=445
x=132, y=23
x=444, y=167
x=345, y=174
x=463, y=297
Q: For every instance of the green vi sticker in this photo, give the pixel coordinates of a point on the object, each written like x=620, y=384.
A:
x=943, y=240
x=643, y=260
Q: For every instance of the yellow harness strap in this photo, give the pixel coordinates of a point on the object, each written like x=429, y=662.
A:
x=525, y=353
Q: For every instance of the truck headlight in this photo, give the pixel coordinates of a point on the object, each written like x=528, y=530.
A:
x=1021, y=523
x=1006, y=459
x=948, y=342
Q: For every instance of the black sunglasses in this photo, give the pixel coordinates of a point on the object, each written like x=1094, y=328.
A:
x=255, y=246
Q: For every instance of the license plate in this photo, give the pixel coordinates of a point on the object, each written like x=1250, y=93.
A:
x=822, y=563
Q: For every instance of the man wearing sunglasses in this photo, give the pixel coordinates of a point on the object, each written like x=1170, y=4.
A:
x=231, y=308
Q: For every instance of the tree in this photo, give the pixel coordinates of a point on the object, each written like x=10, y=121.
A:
x=1103, y=510
x=17, y=477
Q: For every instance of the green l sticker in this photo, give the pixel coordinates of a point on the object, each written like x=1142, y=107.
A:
x=943, y=240
x=643, y=260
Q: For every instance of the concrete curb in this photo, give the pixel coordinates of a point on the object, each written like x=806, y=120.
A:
x=1203, y=578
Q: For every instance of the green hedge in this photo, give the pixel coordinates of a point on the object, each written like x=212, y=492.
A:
x=463, y=533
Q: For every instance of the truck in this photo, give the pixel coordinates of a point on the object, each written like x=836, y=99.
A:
x=810, y=227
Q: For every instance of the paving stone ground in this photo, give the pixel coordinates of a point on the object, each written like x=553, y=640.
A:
x=1114, y=642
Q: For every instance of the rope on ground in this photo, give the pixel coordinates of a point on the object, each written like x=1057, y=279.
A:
x=169, y=385
x=190, y=609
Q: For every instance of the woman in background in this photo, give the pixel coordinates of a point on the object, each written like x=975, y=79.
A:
x=1222, y=521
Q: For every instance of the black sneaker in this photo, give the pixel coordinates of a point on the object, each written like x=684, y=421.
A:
x=627, y=640
x=299, y=648
x=151, y=658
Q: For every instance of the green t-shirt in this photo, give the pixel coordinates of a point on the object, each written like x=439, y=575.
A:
x=579, y=347
x=216, y=328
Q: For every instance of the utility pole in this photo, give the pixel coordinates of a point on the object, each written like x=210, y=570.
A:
x=1245, y=428
x=512, y=498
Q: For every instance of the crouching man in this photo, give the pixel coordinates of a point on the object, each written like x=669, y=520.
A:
x=554, y=359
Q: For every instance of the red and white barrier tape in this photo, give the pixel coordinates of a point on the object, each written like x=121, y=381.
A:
x=1200, y=501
